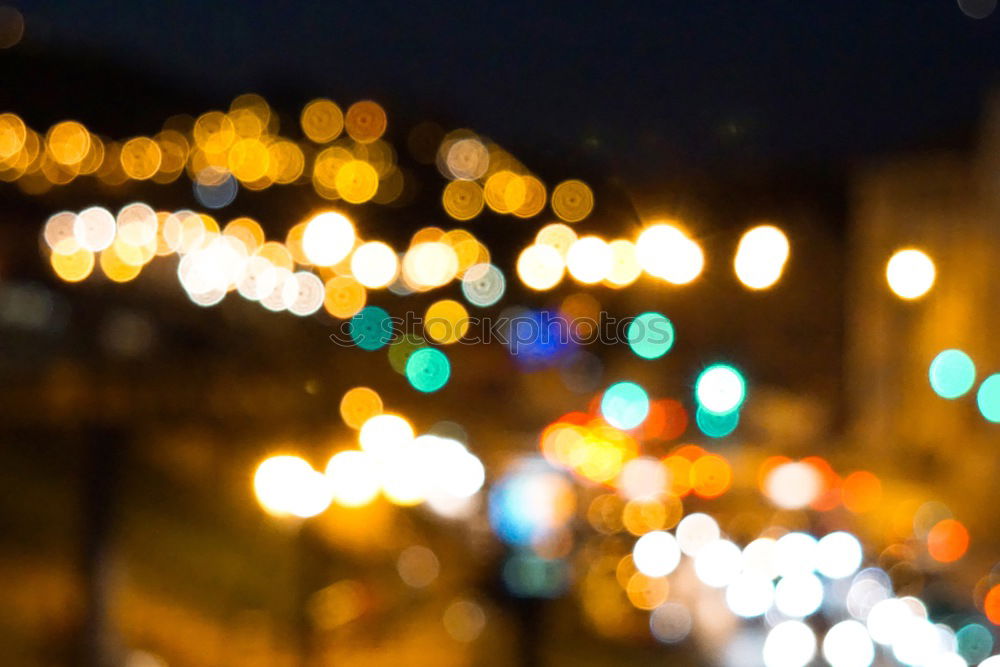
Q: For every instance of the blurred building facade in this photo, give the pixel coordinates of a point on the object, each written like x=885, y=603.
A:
x=948, y=205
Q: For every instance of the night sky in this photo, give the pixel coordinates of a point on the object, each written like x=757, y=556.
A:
x=636, y=85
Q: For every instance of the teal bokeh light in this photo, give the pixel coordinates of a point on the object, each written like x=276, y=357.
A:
x=988, y=398
x=371, y=328
x=651, y=335
x=975, y=643
x=952, y=373
x=428, y=369
x=625, y=405
x=717, y=426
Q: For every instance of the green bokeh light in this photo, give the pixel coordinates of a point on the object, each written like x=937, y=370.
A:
x=625, y=405
x=371, y=328
x=428, y=369
x=717, y=426
x=400, y=351
x=952, y=373
x=988, y=398
x=651, y=335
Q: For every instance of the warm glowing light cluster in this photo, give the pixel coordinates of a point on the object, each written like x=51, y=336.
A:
x=392, y=460
x=910, y=273
x=761, y=256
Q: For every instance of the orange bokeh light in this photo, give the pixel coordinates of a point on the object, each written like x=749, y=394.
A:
x=947, y=541
x=861, y=491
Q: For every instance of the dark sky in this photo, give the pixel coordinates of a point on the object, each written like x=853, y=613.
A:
x=641, y=83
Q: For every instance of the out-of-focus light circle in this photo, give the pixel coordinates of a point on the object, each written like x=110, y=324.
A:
x=464, y=620
x=328, y=238
x=446, y=321
x=750, y=594
x=838, y=555
x=847, y=644
x=977, y=9
x=947, y=541
x=789, y=644
x=988, y=398
x=303, y=293
x=991, y=662
x=428, y=369
x=795, y=553
x=483, y=285
x=656, y=554
x=798, y=595
x=589, y=260
x=910, y=273
x=430, y=264
x=887, y=619
x=572, y=200
x=720, y=389
x=288, y=485
x=625, y=405
x=540, y=267
x=643, y=477
x=695, y=531
x=952, y=373
x=216, y=192
x=358, y=405
x=94, y=228
x=73, y=266
x=664, y=251
x=374, y=264
x=760, y=557
x=353, y=477
x=650, y=335
x=794, y=485
x=384, y=435
x=716, y=426
x=718, y=563
x=670, y=623
x=371, y=328
x=417, y=566
x=974, y=642
x=761, y=256
x=558, y=235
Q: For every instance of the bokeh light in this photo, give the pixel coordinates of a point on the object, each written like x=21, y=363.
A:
x=650, y=335
x=288, y=485
x=761, y=256
x=656, y=554
x=952, y=373
x=625, y=405
x=428, y=369
x=988, y=398
x=910, y=273
x=720, y=389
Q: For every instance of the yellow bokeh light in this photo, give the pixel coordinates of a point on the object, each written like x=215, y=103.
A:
x=344, y=296
x=116, y=268
x=248, y=231
x=140, y=158
x=534, y=198
x=664, y=251
x=286, y=162
x=384, y=435
x=356, y=181
x=249, y=160
x=761, y=256
x=328, y=238
x=277, y=254
x=463, y=200
x=647, y=593
x=505, y=191
x=13, y=134
x=589, y=260
x=365, y=121
x=288, y=486
x=67, y=142
x=540, y=267
x=429, y=265
x=910, y=273
x=374, y=264
x=358, y=405
x=558, y=235
x=214, y=132
x=353, y=477
x=625, y=268
x=572, y=200
x=73, y=266
x=446, y=321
